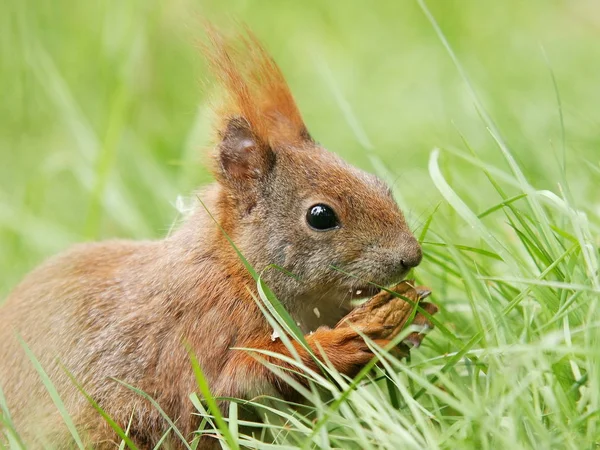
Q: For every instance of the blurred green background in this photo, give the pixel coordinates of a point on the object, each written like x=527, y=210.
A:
x=104, y=118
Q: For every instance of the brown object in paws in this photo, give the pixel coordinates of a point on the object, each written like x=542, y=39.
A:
x=392, y=312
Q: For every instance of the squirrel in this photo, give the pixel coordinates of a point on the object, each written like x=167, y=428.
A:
x=131, y=310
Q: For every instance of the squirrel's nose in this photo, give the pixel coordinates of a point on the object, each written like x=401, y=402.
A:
x=411, y=253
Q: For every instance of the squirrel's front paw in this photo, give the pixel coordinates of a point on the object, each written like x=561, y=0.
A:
x=346, y=348
x=391, y=310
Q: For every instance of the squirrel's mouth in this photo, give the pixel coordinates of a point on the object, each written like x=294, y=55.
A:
x=367, y=290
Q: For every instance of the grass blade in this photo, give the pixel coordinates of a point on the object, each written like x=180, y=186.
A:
x=53, y=394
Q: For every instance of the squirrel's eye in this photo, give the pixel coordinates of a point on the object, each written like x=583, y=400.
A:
x=322, y=217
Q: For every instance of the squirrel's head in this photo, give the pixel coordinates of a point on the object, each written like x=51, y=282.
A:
x=292, y=203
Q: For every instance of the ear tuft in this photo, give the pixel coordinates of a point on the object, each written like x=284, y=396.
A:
x=255, y=88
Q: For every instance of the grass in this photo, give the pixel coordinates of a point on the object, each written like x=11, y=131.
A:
x=483, y=117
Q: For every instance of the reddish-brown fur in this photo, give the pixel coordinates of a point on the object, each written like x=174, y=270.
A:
x=124, y=310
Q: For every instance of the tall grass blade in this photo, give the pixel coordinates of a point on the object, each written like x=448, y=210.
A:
x=53, y=394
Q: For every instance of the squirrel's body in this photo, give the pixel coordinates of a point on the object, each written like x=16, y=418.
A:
x=131, y=310
x=90, y=311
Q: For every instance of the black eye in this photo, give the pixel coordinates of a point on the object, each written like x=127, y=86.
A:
x=321, y=217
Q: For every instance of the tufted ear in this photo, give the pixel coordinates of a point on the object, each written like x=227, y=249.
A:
x=242, y=156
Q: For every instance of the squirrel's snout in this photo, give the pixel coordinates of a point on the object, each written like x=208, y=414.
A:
x=411, y=254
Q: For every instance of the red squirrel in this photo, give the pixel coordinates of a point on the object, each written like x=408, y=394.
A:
x=130, y=310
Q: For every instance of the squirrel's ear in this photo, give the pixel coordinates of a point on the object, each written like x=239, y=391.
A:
x=241, y=154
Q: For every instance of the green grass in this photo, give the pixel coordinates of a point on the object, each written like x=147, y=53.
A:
x=486, y=127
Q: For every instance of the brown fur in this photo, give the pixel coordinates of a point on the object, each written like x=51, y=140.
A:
x=124, y=310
